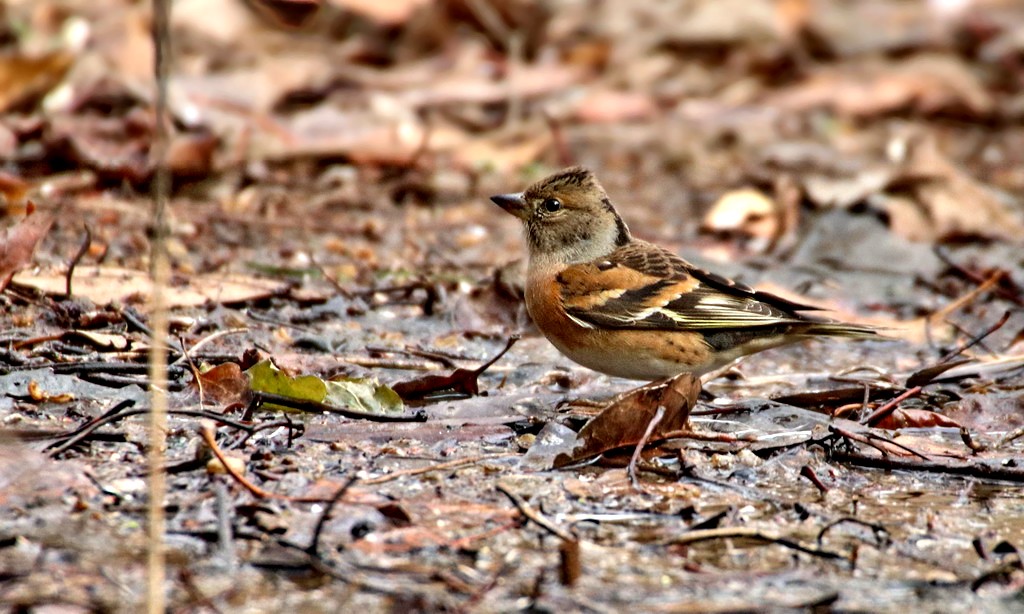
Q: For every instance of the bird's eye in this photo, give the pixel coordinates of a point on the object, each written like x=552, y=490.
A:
x=552, y=204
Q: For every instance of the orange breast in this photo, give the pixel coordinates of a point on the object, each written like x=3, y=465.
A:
x=544, y=303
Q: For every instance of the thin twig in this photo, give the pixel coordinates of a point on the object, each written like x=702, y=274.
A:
x=972, y=445
x=207, y=433
x=976, y=340
x=883, y=411
x=750, y=533
x=192, y=367
x=531, y=514
x=133, y=320
x=1016, y=433
x=83, y=433
x=314, y=543
x=867, y=437
x=991, y=470
x=82, y=250
x=813, y=478
x=455, y=464
x=331, y=280
x=878, y=529
x=944, y=256
x=652, y=424
x=964, y=300
x=206, y=341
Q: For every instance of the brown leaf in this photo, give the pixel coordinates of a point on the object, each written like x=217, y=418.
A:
x=23, y=79
x=106, y=145
x=926, y=84
x=191, y=155
x=461, y=382
x=104, y=342
x=956, y=204
x=225, y=384
x=914, y=418
x=625, y=420
x=291, y=13
x=13, y=189
x=18, y=243
x=746, y=212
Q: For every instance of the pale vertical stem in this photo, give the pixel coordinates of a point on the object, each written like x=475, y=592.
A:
x=160, y=270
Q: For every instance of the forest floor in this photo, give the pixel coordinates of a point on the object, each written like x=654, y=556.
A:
x=331, y=240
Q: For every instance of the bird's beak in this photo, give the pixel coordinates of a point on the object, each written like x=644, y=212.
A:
x=513, y=203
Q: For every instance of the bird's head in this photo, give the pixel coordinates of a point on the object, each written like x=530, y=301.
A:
x=567, y=217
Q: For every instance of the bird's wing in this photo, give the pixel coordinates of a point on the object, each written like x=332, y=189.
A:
x=644, y=286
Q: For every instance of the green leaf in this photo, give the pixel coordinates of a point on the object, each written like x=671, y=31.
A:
x=364, y=395
x=266, y=377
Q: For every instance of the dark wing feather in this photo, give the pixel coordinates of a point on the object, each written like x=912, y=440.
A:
x=678, y=296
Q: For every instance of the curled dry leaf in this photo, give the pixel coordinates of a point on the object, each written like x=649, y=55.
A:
x=18, y=243
x=13, y=188
x=927, y=84
x=191, y=155
x=35, y=390
x=624, y=422
x=746, y=211
x=24, y=79
x=955, y=203
x=107, y=145
x=224, y=384
x=461, y=382
x=915, y=418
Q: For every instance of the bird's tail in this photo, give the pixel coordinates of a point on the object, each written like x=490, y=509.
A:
x=840, y=329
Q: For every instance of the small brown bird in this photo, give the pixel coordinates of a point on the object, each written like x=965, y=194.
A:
x=631, y=309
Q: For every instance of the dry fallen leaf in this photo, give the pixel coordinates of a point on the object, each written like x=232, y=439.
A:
x=924, y=83
x=13, y=189
x=18, y=243
x=110, y=342
x=956, y=204
x=103, y=284
x=224, y=384
x=624, y=422
x=746, y=211
x=914, y=419
x=24, y=78
x=461, y=382
x=191, y=155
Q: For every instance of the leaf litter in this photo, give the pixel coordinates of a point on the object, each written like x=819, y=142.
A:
x=331, y=166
